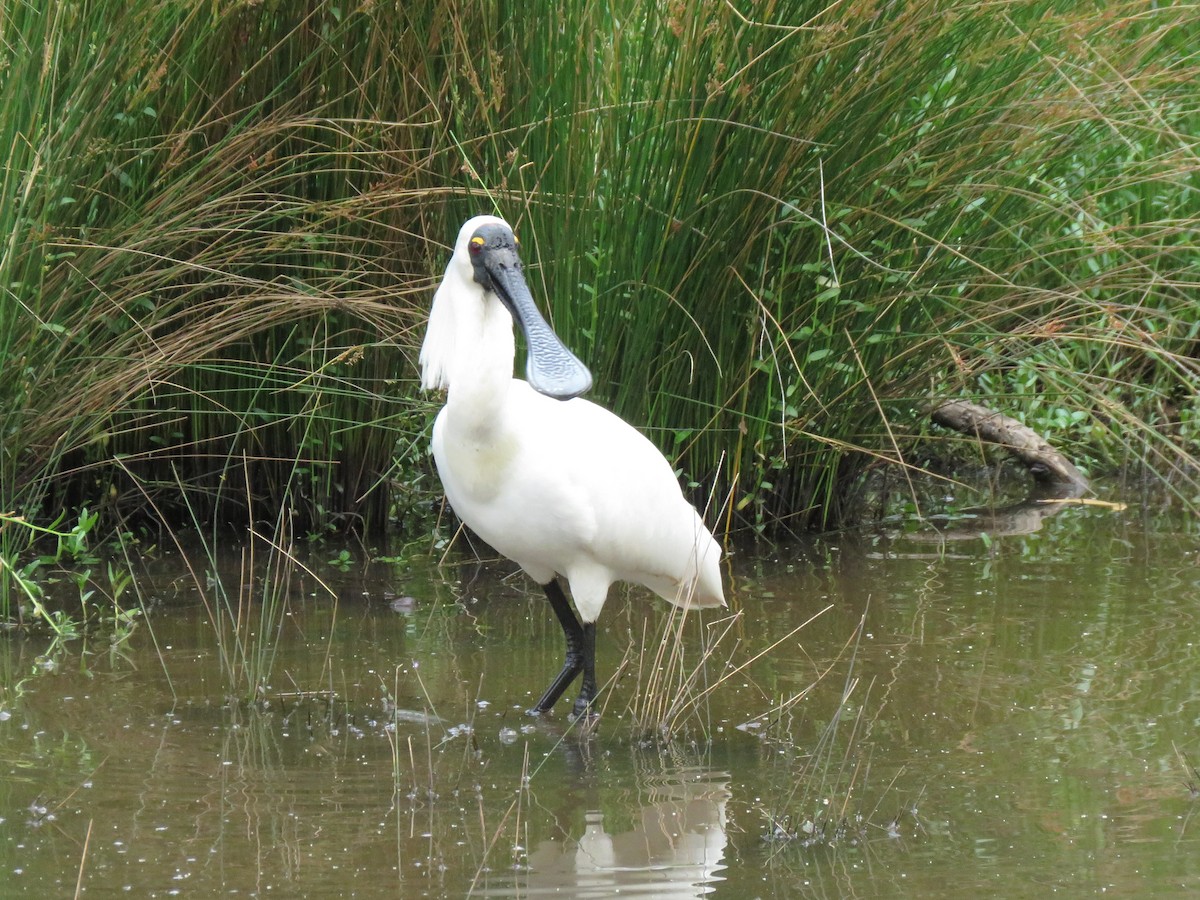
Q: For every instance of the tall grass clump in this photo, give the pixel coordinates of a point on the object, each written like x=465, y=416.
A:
x=773, y=231
x=200, y=224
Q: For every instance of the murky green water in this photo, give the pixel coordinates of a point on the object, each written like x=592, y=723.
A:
x=1013, y=718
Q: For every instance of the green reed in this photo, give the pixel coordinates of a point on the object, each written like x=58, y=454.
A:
x=186, y=281
x=775, y=240
x=773, y=232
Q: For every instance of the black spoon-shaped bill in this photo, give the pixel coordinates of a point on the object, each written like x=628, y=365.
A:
x=550, y=368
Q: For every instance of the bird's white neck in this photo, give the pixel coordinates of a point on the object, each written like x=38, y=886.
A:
x=482, y=366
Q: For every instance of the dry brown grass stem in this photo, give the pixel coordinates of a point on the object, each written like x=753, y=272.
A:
x=670, y=690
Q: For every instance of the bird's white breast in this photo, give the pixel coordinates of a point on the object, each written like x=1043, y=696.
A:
x=568, y=488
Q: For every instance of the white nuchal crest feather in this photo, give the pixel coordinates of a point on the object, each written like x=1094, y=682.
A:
x=437, y=352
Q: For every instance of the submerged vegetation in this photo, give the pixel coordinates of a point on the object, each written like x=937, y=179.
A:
x=773, y=232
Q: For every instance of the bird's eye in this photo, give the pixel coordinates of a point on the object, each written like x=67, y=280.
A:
x=475, y=246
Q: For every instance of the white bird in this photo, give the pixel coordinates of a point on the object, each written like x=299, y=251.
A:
x=560, y=486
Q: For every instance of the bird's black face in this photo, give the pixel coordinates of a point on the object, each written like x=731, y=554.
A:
x=551, y=368
x=493, y=246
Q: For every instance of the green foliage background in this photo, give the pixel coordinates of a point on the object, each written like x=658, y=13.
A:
x=773, y=230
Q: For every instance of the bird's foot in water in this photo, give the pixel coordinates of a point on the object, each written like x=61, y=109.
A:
x=584, y=713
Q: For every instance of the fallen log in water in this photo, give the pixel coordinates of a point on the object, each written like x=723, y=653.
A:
x=1051, y=470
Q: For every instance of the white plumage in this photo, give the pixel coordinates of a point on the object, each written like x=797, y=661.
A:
x=560, y=486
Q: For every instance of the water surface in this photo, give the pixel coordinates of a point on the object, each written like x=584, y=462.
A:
x=1014, y=716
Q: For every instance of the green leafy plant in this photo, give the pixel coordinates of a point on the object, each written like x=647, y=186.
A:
x=342, y=561
x=71, y=558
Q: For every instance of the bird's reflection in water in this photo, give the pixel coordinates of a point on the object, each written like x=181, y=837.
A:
x=675, y=849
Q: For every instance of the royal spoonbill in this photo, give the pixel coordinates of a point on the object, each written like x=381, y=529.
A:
x=557, y=484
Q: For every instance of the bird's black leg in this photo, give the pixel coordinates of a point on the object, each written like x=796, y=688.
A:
x=576, y=660
x=587, y=692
